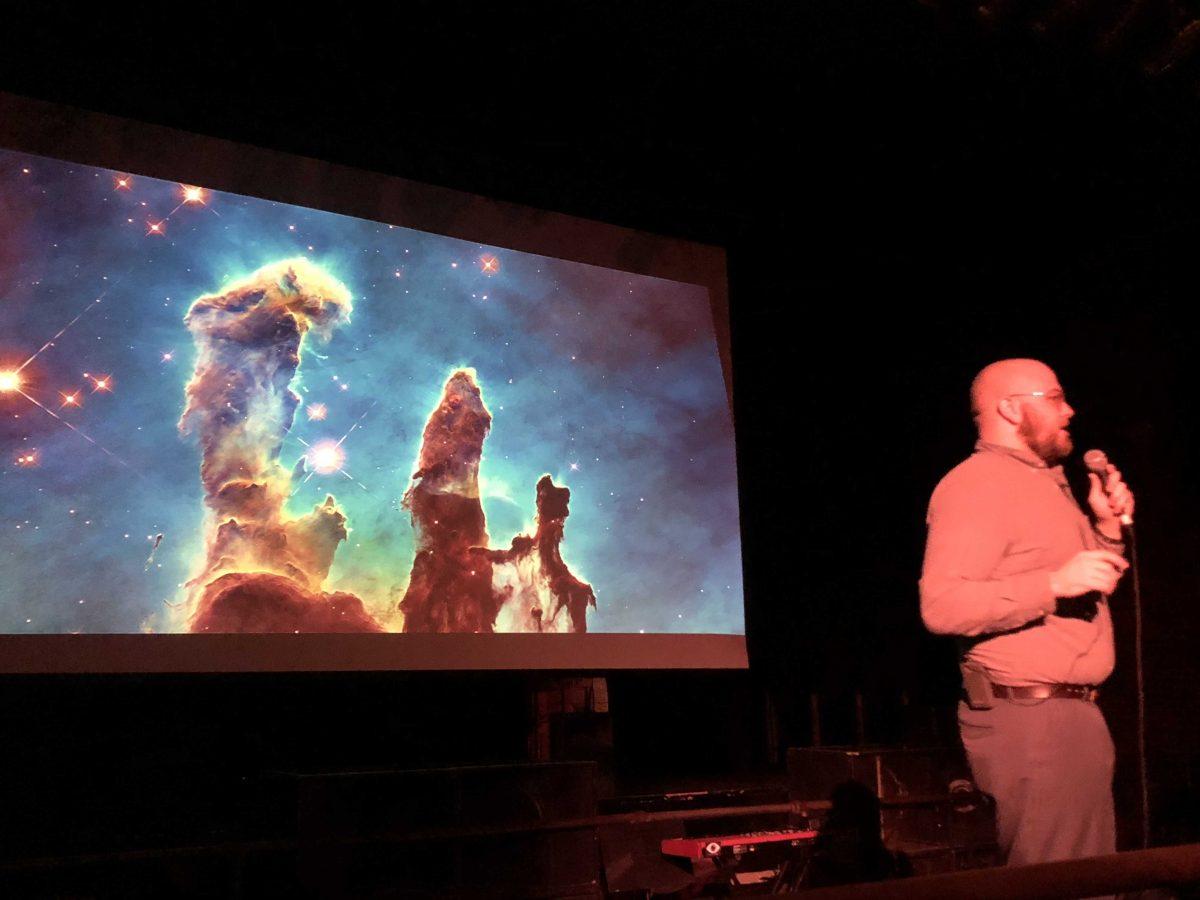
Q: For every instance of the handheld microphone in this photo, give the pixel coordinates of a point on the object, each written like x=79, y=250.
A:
x=1097, y=463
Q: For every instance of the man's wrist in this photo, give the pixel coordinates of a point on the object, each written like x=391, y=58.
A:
x=1110, y=528
x=1055, y=588
x=1050, y=604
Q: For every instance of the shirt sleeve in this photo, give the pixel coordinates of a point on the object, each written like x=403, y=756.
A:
x=966, y=542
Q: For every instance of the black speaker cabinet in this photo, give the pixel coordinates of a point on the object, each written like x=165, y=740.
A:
x=891, y=773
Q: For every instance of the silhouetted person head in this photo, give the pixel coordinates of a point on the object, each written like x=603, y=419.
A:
x=850, y=846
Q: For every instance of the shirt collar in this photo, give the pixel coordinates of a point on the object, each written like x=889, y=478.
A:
x=1030, y=459
x=1025, y=456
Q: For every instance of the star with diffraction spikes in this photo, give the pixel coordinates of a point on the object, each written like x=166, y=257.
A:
x=12, y=381
x=100, y=383
x=328, y=456
x=189, y=195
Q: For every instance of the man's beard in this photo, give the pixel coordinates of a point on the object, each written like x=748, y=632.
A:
x=1051, y=443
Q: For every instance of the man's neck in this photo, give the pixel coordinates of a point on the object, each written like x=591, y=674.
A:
x=1007, y=439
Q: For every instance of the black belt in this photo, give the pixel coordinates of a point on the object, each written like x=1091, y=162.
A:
x=1046, y=692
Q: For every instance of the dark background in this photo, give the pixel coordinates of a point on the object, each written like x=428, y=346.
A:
x=906, y=192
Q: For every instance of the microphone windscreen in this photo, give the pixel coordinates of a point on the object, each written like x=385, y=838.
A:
x=1096, y=461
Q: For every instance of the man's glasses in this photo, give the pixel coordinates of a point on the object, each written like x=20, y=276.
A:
x=1057, y=397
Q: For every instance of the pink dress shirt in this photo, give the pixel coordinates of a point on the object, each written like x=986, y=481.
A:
x=999, y=523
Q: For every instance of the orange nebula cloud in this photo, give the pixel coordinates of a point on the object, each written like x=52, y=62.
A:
x=241, y=406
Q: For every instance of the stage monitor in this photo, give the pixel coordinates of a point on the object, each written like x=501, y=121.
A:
x=259, y=412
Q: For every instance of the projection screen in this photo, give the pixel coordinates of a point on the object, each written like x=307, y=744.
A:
x=260, y=412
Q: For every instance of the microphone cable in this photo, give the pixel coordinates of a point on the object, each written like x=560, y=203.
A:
x=1097, y=463
x=1140, y=677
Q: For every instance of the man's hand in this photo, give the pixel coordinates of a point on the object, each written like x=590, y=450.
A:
x=1088, y=570
x=1110, y=500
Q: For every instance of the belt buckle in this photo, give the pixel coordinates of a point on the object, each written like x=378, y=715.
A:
x=1085, y=692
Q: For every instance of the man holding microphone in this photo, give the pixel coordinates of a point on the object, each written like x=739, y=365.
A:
x=1021, y=575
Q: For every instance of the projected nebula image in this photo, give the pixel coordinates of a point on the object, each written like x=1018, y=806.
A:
x=221, y=414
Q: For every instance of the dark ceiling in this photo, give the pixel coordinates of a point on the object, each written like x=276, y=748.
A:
x=693, y=118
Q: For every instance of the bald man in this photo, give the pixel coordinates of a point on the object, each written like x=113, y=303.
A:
x=1021, y=575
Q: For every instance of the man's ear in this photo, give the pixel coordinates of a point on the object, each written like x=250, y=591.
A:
x=1009, y=410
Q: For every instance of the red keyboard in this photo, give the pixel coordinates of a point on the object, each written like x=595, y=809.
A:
x=735, y=844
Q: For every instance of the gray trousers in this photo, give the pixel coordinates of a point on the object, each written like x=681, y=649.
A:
x=1049, y=766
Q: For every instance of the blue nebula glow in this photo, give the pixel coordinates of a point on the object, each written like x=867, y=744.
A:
x=608, y=381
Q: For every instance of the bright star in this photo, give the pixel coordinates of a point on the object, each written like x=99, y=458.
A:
x=326, y=457
x=10, y=381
